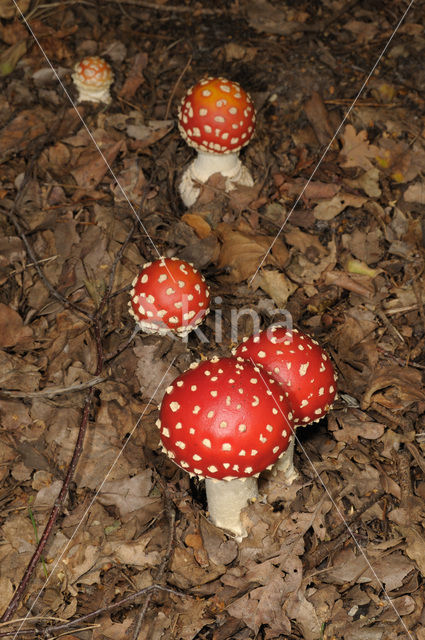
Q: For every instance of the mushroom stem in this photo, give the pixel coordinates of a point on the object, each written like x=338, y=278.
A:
x=285, y=464
x=226, y=499
x=205, y=165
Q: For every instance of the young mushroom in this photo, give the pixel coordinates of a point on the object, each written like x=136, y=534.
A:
x=304, y=370
x=169, y=295
x=226, y=421
x=93, y=77
x=217, y=118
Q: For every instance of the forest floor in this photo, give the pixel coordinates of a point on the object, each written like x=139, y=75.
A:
x=338, y=197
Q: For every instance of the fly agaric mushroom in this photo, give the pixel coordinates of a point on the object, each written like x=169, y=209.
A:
x=169, y=295
x=304, y=370
x=93, y=77
x=226, y=421
x=217, y=118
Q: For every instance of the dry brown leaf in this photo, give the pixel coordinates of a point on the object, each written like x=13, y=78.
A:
x=350, y=426
x=328, y=209
x=12, y=328
x=304, y=241
x=128, y=494
x=135, y=76
x=91, y=166
x=198, y=224
x=415, y=545
x=16, y=374
x=17, y=134
x=276, y=285
x=415, y=193
x=242, y=252
x=400, y=387
x=356, y=149
x=357, y=283
x=349, y=566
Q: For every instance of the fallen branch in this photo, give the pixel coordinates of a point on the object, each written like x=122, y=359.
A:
x=54, y=629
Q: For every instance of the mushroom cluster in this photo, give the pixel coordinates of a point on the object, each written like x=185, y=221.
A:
x=93, y=77
x=227, y=421
x=169, y=294
x=217, y=118
x=305, y=372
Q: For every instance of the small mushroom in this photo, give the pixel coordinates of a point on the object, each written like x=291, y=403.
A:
x=93, y=77
x=217, y=118
x=169, y=295
x=305, y=371
x=226, y=421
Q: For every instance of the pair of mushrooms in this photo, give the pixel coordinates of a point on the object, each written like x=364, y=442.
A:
x=229, y=419
x=216, y=117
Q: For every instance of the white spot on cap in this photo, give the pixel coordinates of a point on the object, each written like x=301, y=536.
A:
x=226, y=446
x=256, y=401
x=180, y=444
x=263, y=439
x=242, y=452
x=212, y=469
x=162, y=277
x=178, y=425
x=228, y=401
x=174, y=406
x=214, y=393
x=303, y=368
x=169, y=389
x=165, y=432
x=331, y=389
x=210, y=414
x=196, y=457
x=192, y=431
x=206, y=93
x=203, y=112
x=303, y=403
x=207, y=443
x=223, y=424
x=253, y=380
x=275, y=449
x=170, y=291
x=242, y=428
x=248, y=470
x=269, y=428
x=196, y=409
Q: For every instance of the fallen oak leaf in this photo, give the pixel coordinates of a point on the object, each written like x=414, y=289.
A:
x=356, y=149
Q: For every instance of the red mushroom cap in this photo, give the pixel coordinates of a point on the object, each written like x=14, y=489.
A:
x=94, y=71
x=169, y=294
x=300, y=364
x=217, y=116
x=224, y=419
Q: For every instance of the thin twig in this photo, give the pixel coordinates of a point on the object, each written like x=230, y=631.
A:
x=18, y=595
x=49, y=392
x=169, y=508
x=169, y=7
x=176, y=84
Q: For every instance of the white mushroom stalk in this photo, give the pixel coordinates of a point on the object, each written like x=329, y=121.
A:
x=222, y=421
x=227, y=498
